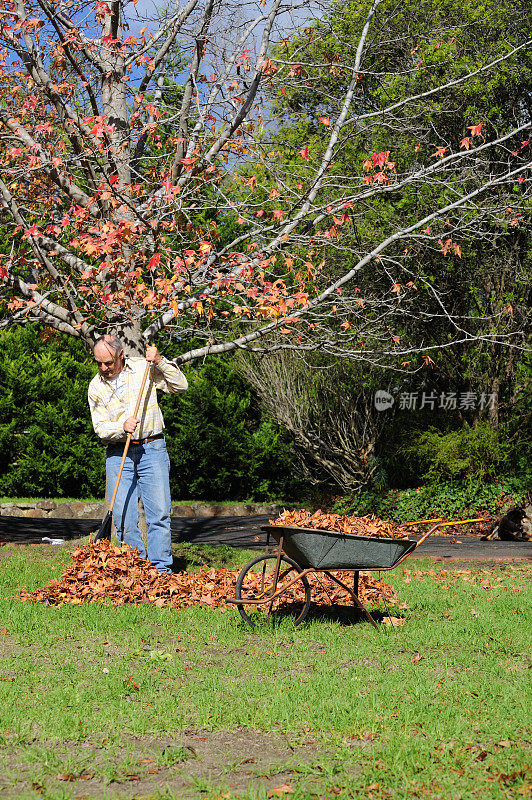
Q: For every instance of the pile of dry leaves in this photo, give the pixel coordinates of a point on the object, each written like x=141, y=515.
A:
x=105, y=573
x=370, y=590
x=362, y=526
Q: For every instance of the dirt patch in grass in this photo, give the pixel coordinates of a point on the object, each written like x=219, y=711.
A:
x=6, y=552
x=187, y=764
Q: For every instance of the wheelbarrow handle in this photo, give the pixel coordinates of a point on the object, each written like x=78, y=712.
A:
x=427, y=534
x=443, y=525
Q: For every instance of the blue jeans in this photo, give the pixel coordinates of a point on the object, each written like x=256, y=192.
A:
x=146, y=472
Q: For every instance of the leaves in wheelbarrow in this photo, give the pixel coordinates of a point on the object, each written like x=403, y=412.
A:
x=105, y=573
x=361, y=526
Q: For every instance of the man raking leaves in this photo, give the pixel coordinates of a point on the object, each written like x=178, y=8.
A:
x=117, y=417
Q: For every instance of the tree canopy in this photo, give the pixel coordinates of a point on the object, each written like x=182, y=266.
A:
x=147, y=181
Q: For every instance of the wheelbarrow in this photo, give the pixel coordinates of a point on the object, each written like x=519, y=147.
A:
x=276, y=582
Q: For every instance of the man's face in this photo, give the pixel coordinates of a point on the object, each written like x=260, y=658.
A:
x=109, y=362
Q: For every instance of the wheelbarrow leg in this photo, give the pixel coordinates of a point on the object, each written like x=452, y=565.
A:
x=356, y=609
x=365, y=611
x=276, y=576
x=356, y=600
x=264, y=565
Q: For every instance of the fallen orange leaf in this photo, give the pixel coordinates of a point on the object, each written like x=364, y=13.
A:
x=391, y=622
x=283, y=788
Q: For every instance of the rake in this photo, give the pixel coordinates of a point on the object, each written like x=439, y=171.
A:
x=105, y=527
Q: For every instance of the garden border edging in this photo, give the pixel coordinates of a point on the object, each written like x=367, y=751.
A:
x=81, y=509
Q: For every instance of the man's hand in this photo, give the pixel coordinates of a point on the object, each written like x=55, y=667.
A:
x=153, y=355
x=130, y=424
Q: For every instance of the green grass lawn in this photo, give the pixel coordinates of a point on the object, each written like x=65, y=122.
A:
x=137, y=702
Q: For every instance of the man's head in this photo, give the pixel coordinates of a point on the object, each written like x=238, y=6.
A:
x=109, y=355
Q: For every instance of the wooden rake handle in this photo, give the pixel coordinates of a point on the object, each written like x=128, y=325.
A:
x=128, y=440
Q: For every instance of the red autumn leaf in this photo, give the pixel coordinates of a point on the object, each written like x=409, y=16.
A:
x=304, y=153
x=475, y=129
x=380, y=159
x=154, y=261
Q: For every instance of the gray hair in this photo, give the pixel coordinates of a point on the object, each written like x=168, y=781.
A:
x=112, y=342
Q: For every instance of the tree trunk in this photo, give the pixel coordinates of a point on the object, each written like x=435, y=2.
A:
x=130, y=334
x=493, y=408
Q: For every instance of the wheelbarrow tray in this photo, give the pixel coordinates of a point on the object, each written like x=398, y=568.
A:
x=322, y=549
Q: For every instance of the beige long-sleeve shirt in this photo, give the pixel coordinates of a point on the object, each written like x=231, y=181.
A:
x=110, y=405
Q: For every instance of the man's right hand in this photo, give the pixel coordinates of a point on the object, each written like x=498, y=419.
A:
x=130, y=424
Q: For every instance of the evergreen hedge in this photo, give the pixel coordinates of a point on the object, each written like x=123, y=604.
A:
x=221, y=446
x=47, y=445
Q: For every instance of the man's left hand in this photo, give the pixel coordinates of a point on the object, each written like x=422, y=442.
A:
x=153, y=355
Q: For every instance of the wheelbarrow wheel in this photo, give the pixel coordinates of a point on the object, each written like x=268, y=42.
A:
x=256, y=582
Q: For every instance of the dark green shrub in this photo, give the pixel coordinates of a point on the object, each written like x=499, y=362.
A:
x=478, y=453
x=47, y=445
x=220, y=445
x=417, y=449
x=452, y=499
